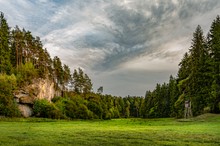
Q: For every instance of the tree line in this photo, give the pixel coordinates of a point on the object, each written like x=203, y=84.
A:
x=22, y=58
x=198, y=79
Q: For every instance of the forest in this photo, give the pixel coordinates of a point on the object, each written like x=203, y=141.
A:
x=23, y=58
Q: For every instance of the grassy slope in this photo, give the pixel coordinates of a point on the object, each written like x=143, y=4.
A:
x=204, y=130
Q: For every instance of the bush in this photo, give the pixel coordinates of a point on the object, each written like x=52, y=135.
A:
x=73, y=107
x=70, y=109
x=82, y=112
x=45, y=109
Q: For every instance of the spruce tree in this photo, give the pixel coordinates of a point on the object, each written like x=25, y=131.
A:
x=198, y=53
x=58, y=70
x=192, y=73
x=214, y=46
x=81, y=82
x=5, y=64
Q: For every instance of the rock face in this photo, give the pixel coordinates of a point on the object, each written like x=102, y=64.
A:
x=39, y=89
x=42, y=89
x=26, y=110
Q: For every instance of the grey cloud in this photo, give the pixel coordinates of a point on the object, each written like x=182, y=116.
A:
x=132, y=32
x=133, y=28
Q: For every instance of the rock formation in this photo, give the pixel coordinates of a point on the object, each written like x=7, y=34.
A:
x=39, y=89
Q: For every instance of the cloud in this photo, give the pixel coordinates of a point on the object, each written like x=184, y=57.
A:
x=143, y=38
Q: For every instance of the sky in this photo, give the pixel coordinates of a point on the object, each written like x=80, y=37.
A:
x=126, y=46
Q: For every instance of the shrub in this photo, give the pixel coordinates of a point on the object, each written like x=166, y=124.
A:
x=82, y=112
x=70, y=109
x=45, y=109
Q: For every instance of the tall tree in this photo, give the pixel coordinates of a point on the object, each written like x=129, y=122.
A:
x=67, y=74
x=173, y=95
x=196, y=80
x=82, y=82
x=17, y=46
x=87, y=84
x=58, y=70
x=146, y=106
x=214, y=46
x=192, y=73
x=5, y=64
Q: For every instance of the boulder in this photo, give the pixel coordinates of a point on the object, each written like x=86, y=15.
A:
x=25, y=110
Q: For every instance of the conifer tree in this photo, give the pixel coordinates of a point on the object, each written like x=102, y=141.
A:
x=196, y=80
x=192, y=73
x=214, y=46
x=17, y=46
x=58, y=70
x=81, y=82
x=173, y=95
x=66, y=73
x=5, y=64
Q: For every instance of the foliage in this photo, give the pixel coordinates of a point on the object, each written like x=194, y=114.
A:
x=43, y=108
x=25, y=73
x=8, y=107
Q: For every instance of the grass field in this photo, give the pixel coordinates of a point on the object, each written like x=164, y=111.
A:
x=203, y=130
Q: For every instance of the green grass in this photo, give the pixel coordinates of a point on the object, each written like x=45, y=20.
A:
x=203, y=130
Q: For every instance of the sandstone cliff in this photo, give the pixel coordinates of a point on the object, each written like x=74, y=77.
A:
x=39, y=89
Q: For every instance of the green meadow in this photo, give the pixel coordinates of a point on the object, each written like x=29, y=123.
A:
x=202, y=130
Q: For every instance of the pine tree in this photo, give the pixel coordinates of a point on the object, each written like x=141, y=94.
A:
x=147, y=104
x=192, y=73
x=58, y=70
x=75, y=81
x=87, y=84
x=173, y=95
x=196, y=80
x=17, y=46
x=5, y=64
x=81, y=82
x=66, y=73
x=214, y=46
x=184, y=67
